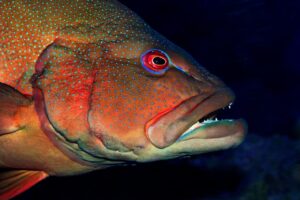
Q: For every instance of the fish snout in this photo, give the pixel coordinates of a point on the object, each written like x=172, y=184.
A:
x=191, y=127
x=164, y=129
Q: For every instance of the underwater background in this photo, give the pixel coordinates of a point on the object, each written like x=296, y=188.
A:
x=252, y=45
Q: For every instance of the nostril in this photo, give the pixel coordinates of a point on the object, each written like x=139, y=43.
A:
x=196, y=76
x=203, y=76
x=204, y=87
x=214, y=80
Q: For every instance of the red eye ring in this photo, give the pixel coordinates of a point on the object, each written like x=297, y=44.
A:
x=155, y=61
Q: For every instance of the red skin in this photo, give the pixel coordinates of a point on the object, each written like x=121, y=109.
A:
x=89, y=85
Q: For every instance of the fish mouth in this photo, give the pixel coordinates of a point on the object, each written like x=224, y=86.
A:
x=194, y=118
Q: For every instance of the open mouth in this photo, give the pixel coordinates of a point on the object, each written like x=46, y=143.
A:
x=195, y=118
x=213, y=118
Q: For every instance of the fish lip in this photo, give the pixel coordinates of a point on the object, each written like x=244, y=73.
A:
x=166, y=127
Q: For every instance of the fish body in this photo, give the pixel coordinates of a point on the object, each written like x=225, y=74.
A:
x=86, y=85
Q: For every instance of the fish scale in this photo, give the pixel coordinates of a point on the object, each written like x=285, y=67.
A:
x=27, y=28
x=81, y=90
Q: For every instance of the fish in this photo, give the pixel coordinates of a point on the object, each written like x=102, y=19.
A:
x=87, y=85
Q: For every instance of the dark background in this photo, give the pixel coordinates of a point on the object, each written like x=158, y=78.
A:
x=254, y=46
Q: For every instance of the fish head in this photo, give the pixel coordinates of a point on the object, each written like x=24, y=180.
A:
x=120, y=92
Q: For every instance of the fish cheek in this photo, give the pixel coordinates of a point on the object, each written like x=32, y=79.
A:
x=124, y=100
x=116, y=102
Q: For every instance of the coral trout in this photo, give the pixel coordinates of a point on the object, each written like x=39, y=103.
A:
x=85, y=85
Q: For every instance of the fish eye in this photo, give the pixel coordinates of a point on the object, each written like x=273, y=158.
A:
x=155, y=61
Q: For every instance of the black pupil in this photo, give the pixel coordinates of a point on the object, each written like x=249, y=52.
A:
x=159, y=61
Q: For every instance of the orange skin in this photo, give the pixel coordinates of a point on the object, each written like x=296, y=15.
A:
x=22, y=143
x=92, y=101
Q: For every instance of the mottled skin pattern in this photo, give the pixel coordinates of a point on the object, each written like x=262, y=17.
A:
x=92, y=101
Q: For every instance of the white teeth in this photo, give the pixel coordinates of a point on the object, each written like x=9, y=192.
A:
x=228, y=107
x=208, y=121
x=198, y=125
x=195, y=126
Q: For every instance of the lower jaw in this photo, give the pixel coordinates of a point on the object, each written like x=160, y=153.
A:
x=211, y=129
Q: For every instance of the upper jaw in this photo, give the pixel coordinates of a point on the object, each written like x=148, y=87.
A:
x=166, y=129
